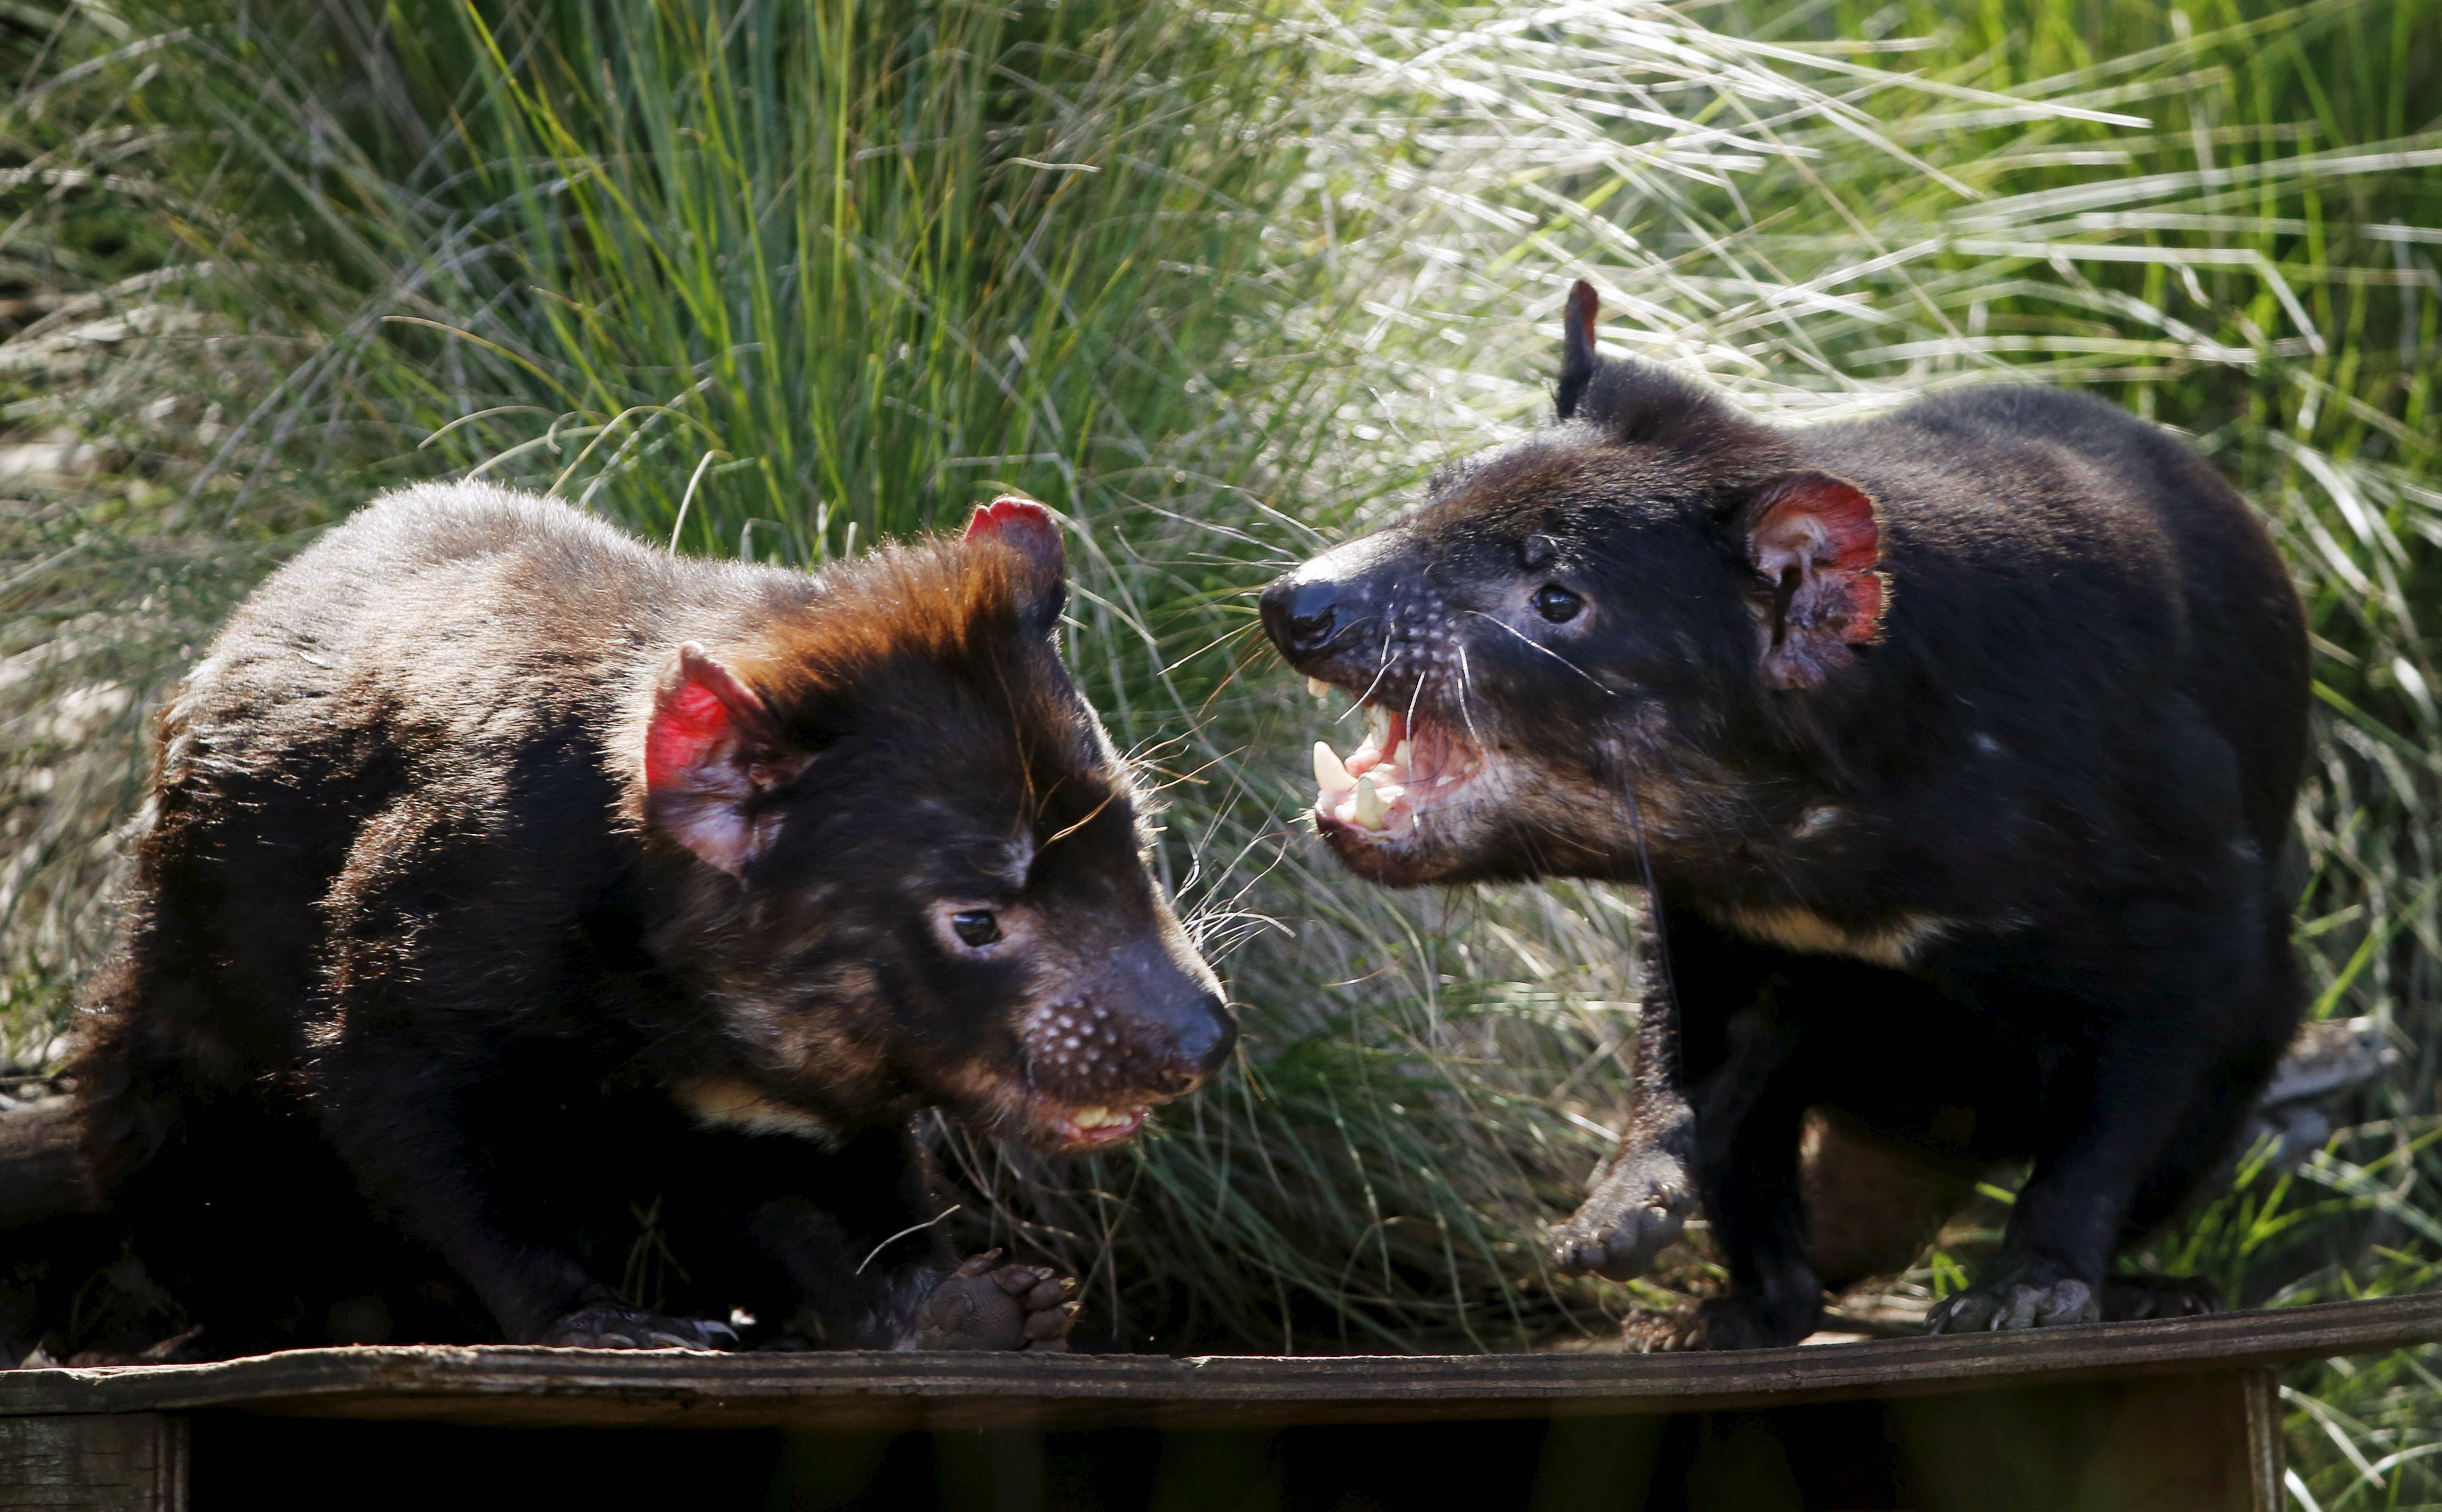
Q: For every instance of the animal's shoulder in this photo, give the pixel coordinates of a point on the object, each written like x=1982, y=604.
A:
x=2025, y=410
x=431, y=525
x=2015, y=470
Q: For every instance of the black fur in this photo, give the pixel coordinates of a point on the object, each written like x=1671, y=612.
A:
x=428, y=1025
x=1961, y=745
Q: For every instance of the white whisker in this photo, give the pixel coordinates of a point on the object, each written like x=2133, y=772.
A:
x=1467, y=698
x=1529, y=639
x=1379, y=674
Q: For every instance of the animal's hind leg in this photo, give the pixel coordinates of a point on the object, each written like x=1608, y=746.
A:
x=2130, y=1124
x=2196, y=1150
x=2206, y=1137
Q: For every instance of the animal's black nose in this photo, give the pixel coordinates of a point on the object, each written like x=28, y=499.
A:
x=1202, y=1048
x=1301, y=613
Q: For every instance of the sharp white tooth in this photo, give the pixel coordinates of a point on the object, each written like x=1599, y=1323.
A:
x=1319, y=688
x=1397, y=758
x=1377, y=721
x=1369, y=813
x=1330, y=778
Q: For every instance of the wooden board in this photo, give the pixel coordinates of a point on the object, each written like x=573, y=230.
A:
x=598, y=1388
x=133, y=1463
x=2088, y=1446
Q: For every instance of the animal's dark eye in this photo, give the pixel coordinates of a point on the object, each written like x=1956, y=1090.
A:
x=977, y=926
x=1557, y=604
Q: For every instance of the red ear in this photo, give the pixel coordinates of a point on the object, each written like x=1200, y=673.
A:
x=707, y=751
x=1022, y=524
x=1815, y=539
x=1029, y=526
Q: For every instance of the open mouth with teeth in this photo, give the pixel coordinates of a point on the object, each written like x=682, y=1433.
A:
x=1408, y=766
x=1054, y=1124
x=1078, y=1129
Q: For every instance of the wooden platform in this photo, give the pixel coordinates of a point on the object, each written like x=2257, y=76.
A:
x=2161, y=1415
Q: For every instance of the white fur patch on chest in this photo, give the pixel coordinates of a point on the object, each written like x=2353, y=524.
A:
x=1894, y=945
x=730, y=1104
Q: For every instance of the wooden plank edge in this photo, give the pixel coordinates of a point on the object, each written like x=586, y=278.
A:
x=504, y=1383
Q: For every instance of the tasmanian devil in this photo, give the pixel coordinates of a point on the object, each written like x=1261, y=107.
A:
x=527, y=913
x=1957, y=748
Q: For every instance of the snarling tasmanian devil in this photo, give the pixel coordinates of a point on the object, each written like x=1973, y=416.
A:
x=1957, y=746
x=525, y=914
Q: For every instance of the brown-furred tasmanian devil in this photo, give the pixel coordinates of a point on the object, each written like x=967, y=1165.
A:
x=1957, y=748
x=537, y=935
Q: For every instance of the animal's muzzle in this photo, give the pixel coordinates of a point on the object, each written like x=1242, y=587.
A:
x=1302, y=612
x=1334, y=604
x=1145, y=1026
x=1206, y=1037
x=1187, y=1031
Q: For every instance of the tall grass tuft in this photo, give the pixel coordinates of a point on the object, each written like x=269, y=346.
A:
x=774, y=280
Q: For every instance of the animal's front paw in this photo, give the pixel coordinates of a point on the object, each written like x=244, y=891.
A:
x=2037, y=1296
x=984, y=1304
x=616, y=1325
x=1638, y=1203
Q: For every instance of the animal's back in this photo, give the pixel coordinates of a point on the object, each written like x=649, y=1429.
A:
x=352, y=688
x=2150, y=573
x=355, y=675
x=430, y=613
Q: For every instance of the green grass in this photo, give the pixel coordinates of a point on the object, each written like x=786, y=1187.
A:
x=774, y=280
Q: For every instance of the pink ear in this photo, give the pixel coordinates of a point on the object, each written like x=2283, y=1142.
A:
x=706, y=751
x=1022, y=524
x=1815, y=539
x=1029, y=526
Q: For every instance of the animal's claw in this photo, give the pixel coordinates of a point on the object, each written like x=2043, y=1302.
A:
x=983, y=1305
x=1640, y=1201
x=2014, y=1302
